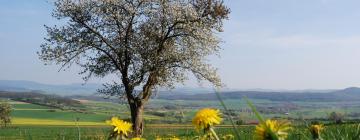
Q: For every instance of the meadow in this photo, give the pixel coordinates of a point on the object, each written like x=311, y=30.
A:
x=37, y=122
x=186, y=132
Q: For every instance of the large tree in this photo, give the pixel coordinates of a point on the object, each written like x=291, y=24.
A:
x=146, y=43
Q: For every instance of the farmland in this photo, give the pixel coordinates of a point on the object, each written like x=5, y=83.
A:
x=28, y=132
x=31, y=121
x=163, y=111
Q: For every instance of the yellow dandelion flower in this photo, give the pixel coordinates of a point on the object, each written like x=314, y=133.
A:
x=315, y=130
x=120, y=126
x=206, y=118
x=266, y=131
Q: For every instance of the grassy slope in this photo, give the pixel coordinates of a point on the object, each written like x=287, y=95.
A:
x=24, y=113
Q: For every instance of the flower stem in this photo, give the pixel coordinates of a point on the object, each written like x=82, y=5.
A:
x=119, y=137
x=217, y=92
x=214, y=133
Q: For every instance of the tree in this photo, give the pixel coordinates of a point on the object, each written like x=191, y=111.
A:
x=336, y=117
x=5, y=110
x=147, y=44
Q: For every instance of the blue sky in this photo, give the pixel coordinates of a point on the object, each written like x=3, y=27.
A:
x=277, y=44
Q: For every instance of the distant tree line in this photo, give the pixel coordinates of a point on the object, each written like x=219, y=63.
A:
x=273, y=96
x=40, y=99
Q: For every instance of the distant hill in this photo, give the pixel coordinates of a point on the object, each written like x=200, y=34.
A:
x=80, y=89
x=26, y=86
x=348, y=94
x=349, y=91
x=189, y=93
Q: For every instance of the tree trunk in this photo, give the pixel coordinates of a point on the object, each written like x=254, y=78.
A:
x=137, y=109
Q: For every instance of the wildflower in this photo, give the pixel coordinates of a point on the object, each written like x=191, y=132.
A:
x=270, y=129
x=206, y=118
x=120, y=126
x=315, y=131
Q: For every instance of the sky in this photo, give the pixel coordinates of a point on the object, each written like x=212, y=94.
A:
x=277, y=44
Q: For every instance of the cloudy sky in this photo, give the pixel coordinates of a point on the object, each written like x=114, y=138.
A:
x=277, y=44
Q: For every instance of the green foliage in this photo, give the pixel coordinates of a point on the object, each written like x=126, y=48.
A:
x=41, y=99
x=228, y=115
x=336, y=117
x=342, y=132
x=273, y=136
x=5, y=112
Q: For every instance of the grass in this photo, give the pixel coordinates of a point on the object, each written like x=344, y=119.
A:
x=36, y=132
x=28, y=132
x=58, y=115
x=24, y=113
x=48, y=122
x=40, y=122
x=100, y=111
x=22, y=105
x=51, y=132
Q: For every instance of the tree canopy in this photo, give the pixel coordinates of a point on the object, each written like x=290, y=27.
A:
x=146, y=43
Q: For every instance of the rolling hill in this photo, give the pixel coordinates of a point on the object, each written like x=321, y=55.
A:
x=30, y=86
x=187, y=93
x=348, y=94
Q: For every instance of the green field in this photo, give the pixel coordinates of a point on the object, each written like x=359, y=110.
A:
x=30, y=121
x=165, y=111
x=96, y=113
x=24, y=113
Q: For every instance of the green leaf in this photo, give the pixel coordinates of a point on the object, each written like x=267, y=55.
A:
x=229, y=117
x=260, y=118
